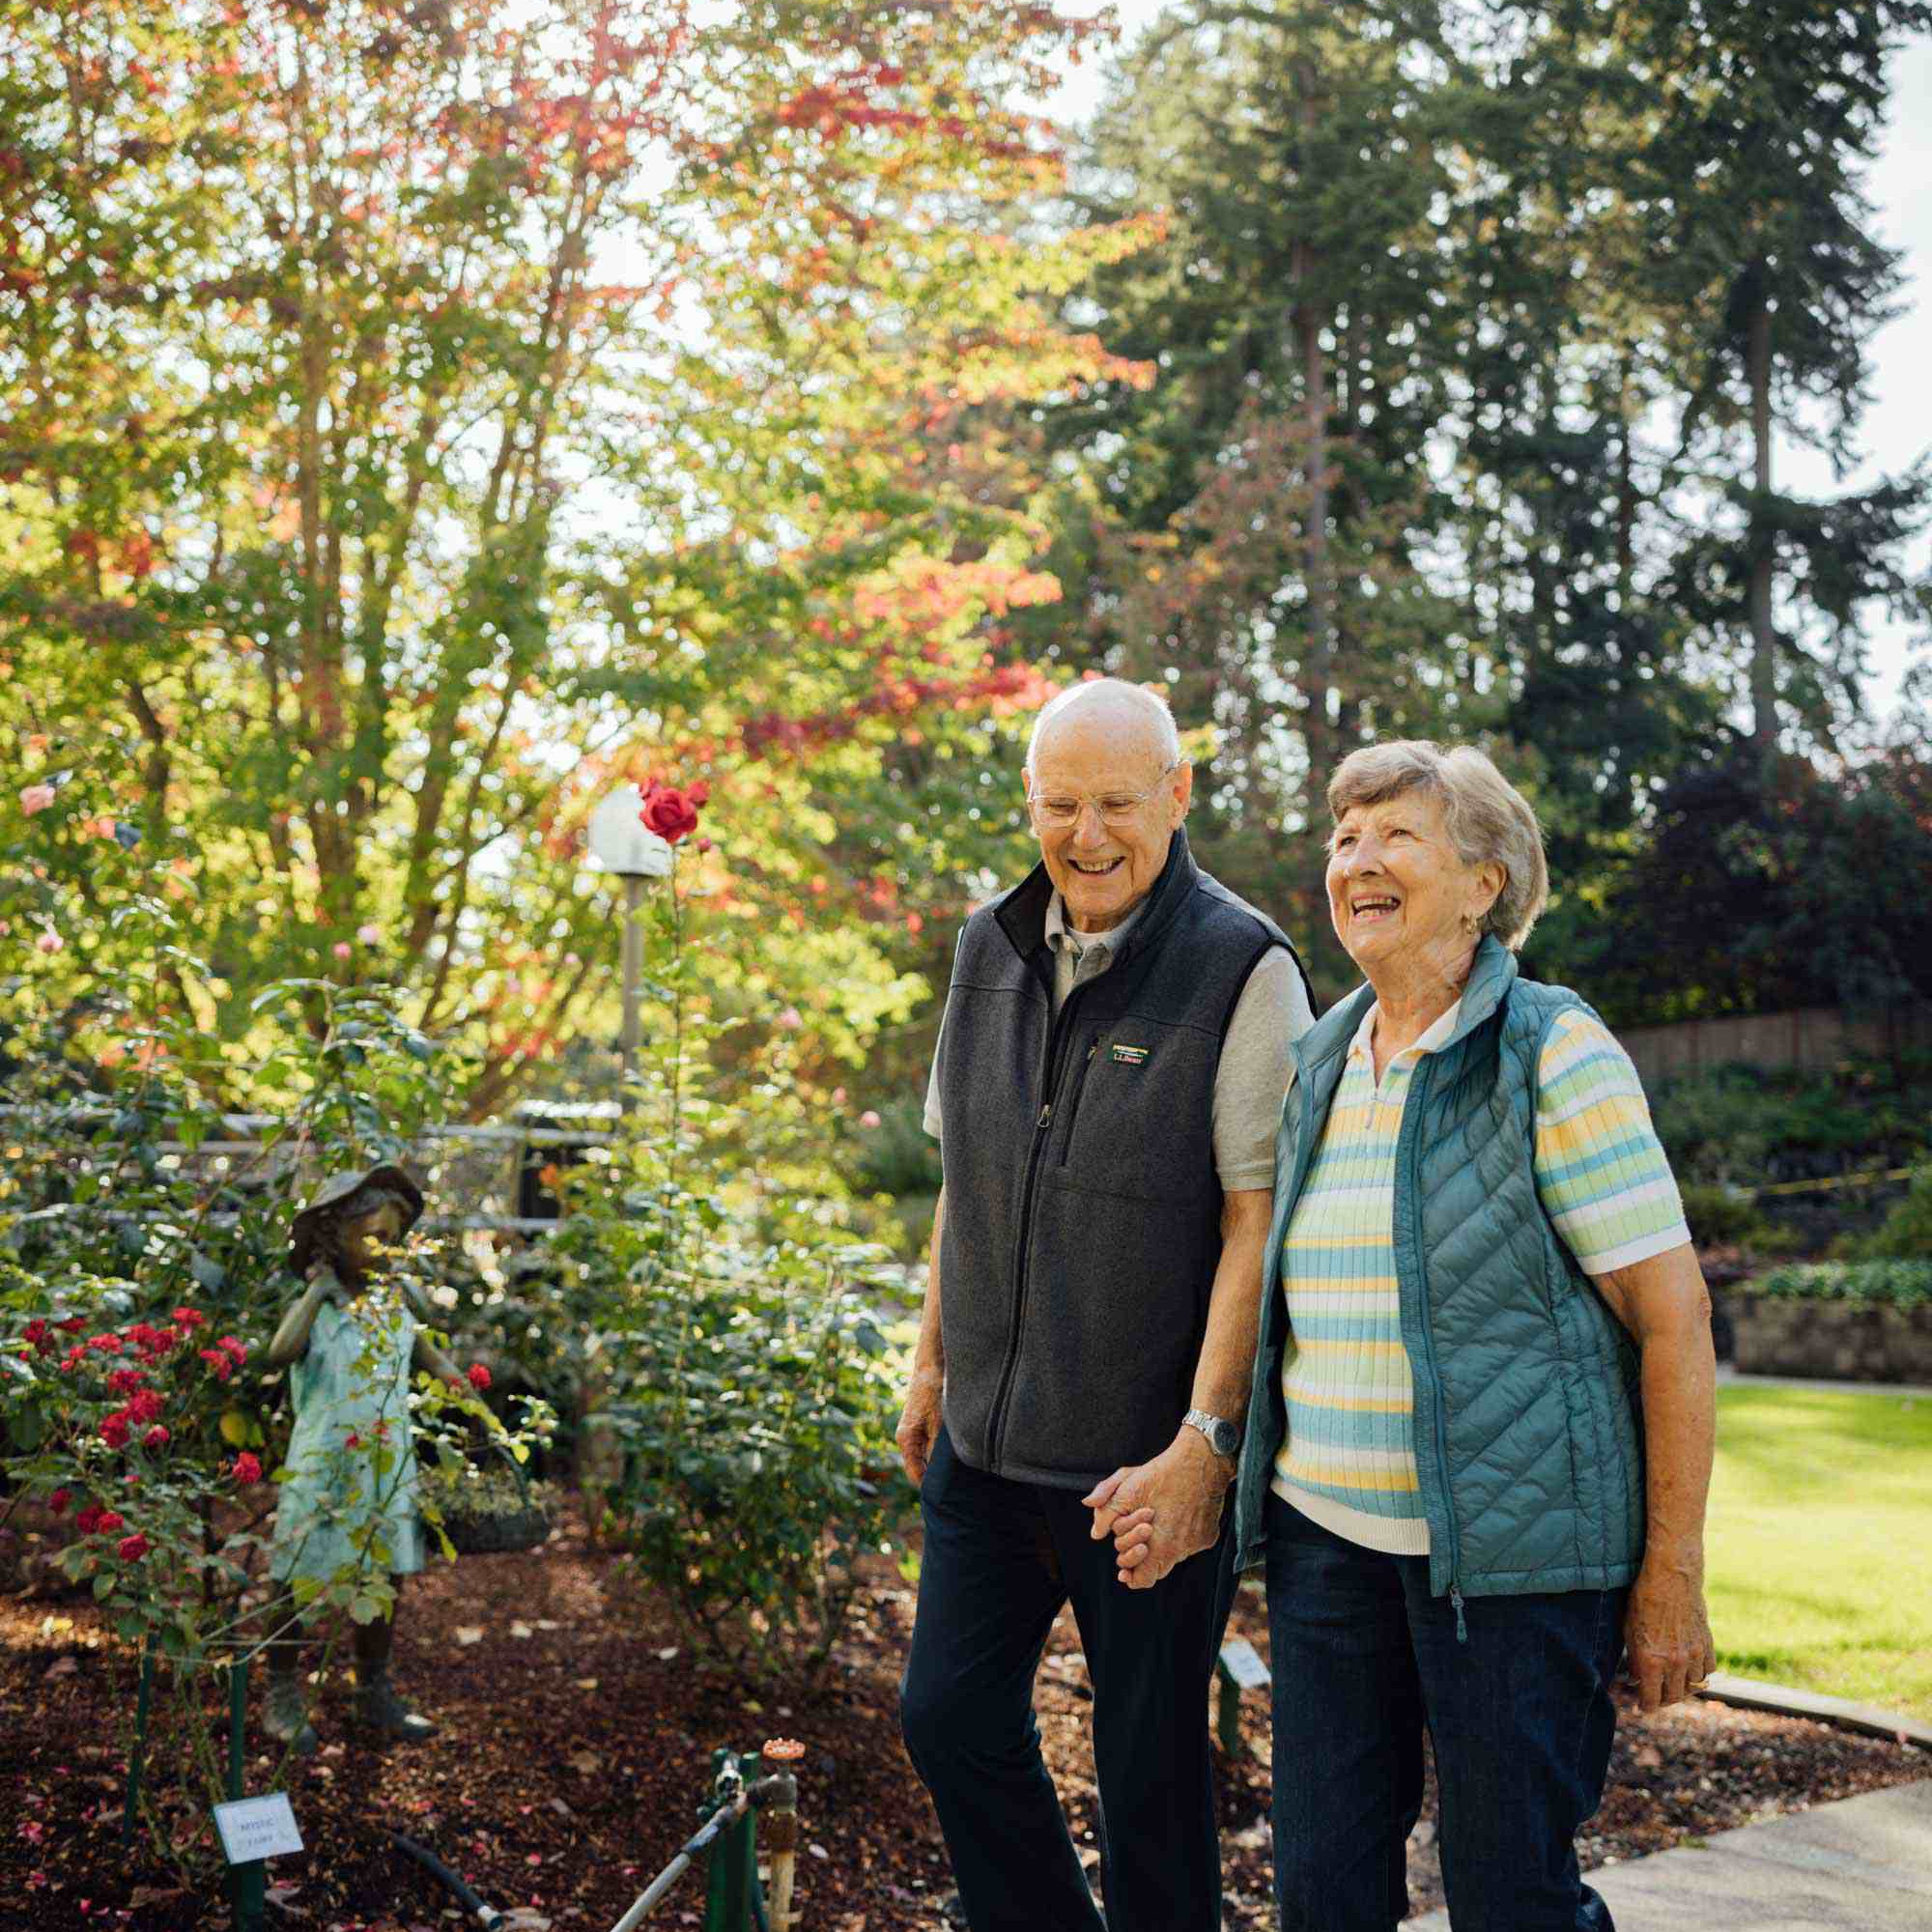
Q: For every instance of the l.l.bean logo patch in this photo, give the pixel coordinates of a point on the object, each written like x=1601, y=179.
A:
x=1131, y=1056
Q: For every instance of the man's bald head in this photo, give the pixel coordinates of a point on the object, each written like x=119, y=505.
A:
x=1113, y=705
x=1106, y=788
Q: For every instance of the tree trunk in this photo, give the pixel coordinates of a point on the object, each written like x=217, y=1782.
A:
x=1318, y=663
x=1764, y=637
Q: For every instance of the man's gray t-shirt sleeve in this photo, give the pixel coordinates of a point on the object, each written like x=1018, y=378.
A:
x=1250, y=1082
x=1251, y=1077
x=932, y=1114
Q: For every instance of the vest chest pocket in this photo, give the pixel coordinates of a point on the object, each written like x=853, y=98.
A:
x=1138, y=1112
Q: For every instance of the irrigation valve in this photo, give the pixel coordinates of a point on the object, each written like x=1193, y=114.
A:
x=780, y=1756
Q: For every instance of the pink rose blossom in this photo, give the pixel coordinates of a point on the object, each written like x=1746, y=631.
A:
x=870, y=1118
x=369, y=935
x=341, y=948
x=50, y=942
x=36, y=798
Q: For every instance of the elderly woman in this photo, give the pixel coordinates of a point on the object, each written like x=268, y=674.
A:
x=1479, y=1426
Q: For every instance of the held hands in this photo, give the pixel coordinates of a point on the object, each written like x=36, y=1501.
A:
x=1162, y=1512
x=1666, y=1630
x=919, y=1423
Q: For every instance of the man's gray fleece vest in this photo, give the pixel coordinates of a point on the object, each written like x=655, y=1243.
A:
x=1083, y=1214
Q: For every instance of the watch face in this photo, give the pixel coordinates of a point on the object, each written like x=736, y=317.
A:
x=1225, y=1437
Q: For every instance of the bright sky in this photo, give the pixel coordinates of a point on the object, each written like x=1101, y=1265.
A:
x=1898, y=426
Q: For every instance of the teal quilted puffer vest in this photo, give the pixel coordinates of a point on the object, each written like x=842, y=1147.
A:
x=1528, y=1434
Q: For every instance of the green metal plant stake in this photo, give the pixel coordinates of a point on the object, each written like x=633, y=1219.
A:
x=247, y=1884
x=137, y=1754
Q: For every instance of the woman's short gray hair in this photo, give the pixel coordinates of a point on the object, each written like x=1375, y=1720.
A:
x=1488, y=821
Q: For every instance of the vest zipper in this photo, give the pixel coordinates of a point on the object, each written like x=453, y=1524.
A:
x=997, y=1421
x=1418, y=1089
x=1075, y=1097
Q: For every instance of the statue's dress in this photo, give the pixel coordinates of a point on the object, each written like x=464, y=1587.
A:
x=352, y=1383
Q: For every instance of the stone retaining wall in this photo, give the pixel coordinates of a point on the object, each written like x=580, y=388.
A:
x=1839, y=1341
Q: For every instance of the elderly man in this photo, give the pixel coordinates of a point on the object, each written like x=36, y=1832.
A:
x=1110, y=1073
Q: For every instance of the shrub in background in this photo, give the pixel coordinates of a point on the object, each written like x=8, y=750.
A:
x=1894, y=1283
x=1907, y=1232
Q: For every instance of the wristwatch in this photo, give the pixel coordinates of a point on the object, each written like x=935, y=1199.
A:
x=1223, y=1437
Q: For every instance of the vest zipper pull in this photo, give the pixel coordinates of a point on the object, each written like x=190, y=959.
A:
x=1456, y=1605
x=1045, y=1115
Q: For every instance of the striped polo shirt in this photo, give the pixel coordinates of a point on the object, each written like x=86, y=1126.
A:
x=1348, y=1457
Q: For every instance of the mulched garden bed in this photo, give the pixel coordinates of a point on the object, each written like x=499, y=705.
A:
x=575, y=1753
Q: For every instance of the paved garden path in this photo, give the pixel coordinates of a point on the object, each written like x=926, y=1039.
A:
x=1729, y=1377
x=1864, y=1864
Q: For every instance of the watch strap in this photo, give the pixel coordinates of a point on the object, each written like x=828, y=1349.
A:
x=1217, y=1428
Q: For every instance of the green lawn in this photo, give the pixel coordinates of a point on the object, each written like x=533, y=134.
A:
x=1820, y=1566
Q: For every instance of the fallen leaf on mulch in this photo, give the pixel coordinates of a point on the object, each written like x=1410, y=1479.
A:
x=467, y=1634
x=60, y=1667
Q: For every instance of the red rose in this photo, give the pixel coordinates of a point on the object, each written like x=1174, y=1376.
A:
x=479, y=1375
x=156, y=1438
x=125, y=1381
x=234, y=1347
x=57, y=1502
x=114, y=1431
x=220, y=1364
x=104, y=1345
x=89, y=1520
x=351, y=1440
x=72, y=1325
x=143, y=1406
x=109, y=1522
x=247, y=1469
x=669, y=812
x=133, y=1548
x=190, y=1318
x=36, y=1331
x=699, y=793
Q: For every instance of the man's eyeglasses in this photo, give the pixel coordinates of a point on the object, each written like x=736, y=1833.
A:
x=1057, y=810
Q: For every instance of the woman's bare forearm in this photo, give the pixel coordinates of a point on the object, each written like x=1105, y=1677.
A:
x=1666, y=1308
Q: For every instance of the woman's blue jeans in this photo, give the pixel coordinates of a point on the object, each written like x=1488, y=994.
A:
x=1520, y=1716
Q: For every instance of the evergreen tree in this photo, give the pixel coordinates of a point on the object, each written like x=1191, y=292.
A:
x=1256, y=516
x=1771, y=284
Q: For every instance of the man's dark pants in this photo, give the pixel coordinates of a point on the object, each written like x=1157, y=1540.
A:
x=1001, y=1559
x=1517, y=1708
